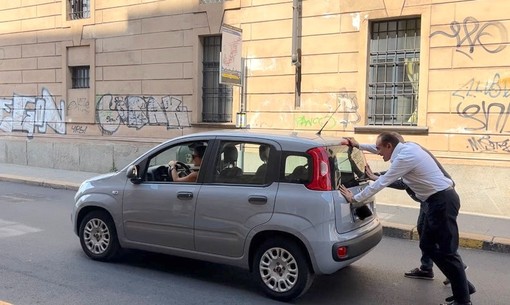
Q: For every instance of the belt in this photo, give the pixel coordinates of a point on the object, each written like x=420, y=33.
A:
x=446, y=189
x=450, y=188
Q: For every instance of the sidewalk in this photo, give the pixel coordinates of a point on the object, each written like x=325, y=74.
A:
x=476, y=231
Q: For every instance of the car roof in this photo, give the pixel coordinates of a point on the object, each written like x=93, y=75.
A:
x=286, y=139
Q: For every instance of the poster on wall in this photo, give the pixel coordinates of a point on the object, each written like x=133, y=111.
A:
x=230, y=57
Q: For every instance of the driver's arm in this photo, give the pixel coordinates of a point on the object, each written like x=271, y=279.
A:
x=173, y=172
x=175, y=176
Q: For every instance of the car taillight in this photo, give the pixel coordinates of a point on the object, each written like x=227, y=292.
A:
x=341, y=252
x=321, y=178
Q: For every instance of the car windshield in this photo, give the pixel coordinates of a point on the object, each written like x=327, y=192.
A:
x=347, y=165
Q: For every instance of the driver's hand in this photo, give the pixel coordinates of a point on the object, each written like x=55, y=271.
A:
x=171, y=164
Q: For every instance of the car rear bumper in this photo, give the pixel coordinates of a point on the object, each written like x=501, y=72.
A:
x=358, y=246
x=357, y=242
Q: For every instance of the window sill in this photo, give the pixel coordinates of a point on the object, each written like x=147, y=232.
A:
x=215, y=125
x=404, y=130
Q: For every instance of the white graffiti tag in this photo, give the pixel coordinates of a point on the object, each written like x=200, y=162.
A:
x=25, y=113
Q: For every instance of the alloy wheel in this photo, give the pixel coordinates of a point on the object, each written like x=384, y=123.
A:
x=278, y=269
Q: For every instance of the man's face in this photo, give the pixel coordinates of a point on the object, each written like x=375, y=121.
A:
x=384, y=149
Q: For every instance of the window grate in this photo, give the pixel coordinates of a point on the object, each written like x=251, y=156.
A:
x=394, y=72
x=80, y=9
x=216, y=97
x=80, y=77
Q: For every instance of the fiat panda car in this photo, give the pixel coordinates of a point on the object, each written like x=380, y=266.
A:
x=265, y=202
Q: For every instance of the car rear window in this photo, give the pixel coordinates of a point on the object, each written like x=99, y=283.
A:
x=347, y=165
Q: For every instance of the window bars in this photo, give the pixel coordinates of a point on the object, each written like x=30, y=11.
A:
x=394, y=63
x=216, y=97
x=79, y=9
x=80, y=77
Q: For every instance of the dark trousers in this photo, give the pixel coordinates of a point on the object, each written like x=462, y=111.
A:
x=425, y=260
x=440, y=240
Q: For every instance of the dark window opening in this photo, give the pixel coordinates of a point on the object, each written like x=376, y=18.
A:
x=216, y=97
x=80, y=77
x=79, y=9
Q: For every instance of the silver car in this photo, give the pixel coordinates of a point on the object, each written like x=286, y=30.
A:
x=265, y=202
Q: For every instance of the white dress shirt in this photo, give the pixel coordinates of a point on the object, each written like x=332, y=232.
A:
x=417, y=169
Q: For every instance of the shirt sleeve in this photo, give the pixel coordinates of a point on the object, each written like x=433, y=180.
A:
x=368, y=147
x=400, y=166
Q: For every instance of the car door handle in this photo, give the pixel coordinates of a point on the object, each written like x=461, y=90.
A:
x=185, y=195
x=257, y=199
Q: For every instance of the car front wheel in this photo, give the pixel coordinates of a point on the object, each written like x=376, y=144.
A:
x=282, y=270
x=98, y=236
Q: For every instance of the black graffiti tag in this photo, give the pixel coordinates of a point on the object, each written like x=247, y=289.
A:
x=472, y=33
x=485, y=144
x=486, y=111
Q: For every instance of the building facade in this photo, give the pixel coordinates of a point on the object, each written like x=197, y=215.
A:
x=90, y=84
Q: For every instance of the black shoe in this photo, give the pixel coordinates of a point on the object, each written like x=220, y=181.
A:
x=447, y=281
x=472, y=290
x=417, y=273
x=456, y=303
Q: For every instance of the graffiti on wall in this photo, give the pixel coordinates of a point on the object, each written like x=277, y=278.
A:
x=485, y=144
x=347, y=110
x=471, y=33
x=79, y=105
x=139, y=111
x=492, y=112
x=79, y=129
x=32, y=114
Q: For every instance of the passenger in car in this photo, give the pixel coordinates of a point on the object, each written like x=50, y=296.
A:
x=198, y=154
x=260, y=174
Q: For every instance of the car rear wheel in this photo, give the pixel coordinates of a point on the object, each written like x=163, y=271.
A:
x=282, y=270
x=98, y=236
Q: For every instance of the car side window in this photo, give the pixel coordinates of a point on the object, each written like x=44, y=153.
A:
x=157, y=169
x=297, y=169
x=242, y=163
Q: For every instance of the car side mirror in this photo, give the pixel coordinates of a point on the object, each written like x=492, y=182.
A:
x=132, y=174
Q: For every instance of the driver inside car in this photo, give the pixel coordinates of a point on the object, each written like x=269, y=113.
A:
x=173, y=166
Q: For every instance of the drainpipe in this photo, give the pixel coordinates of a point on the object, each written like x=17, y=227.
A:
x=296, y=49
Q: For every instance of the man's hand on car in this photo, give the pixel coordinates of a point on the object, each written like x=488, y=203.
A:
x=346, y=193
x=349, y=141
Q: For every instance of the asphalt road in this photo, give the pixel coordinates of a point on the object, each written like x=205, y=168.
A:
x=41, y=262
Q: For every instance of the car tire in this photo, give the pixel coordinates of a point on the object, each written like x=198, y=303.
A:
x=98, y=236
x=282, y=270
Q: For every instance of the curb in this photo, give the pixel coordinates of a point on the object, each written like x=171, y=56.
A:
x=56, y=184
x=466, y=240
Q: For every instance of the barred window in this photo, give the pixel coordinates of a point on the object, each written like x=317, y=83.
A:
x=79, y=9
x=394, y=72
x=80, y=77
x=216, y=97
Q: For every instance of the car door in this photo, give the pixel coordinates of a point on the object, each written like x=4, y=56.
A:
x=157, y=211
x=232, y=202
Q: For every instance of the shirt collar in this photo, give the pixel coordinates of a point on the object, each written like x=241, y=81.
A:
x=396, y=151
